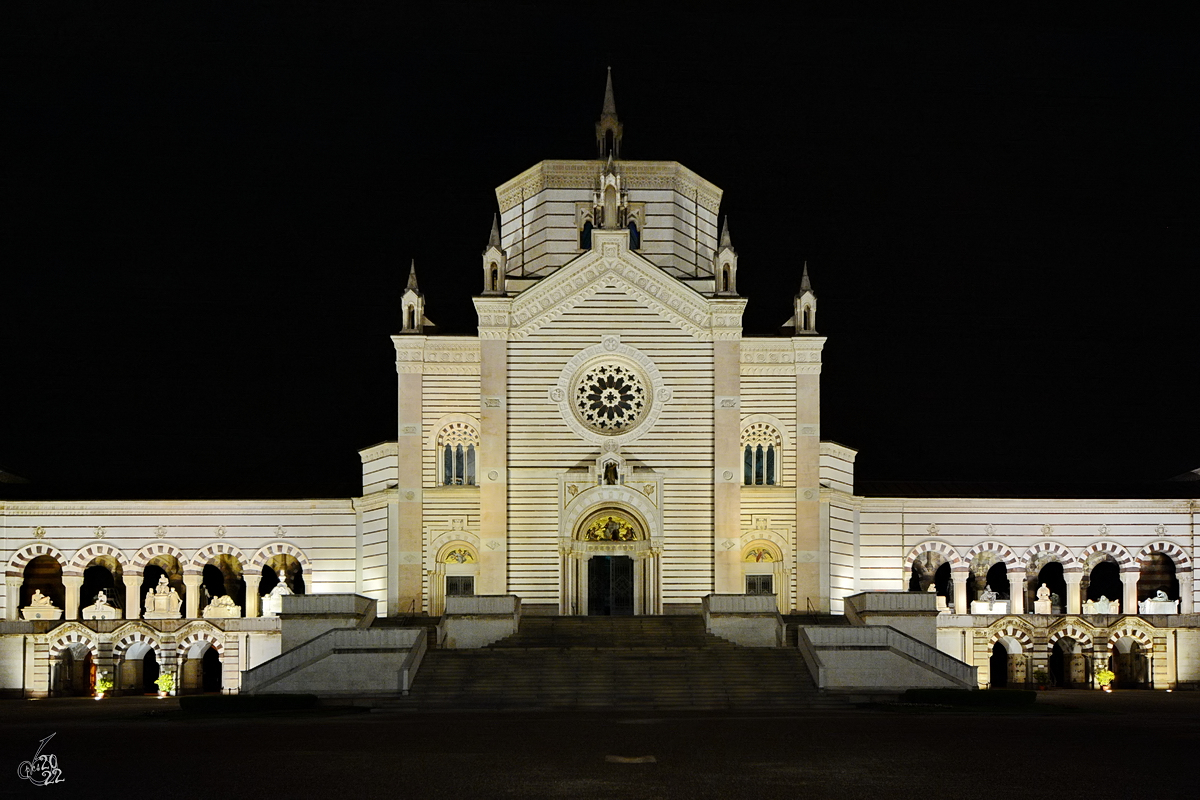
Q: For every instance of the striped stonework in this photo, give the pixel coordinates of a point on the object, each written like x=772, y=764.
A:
x=1169, y=549
x=196, y=638
x=1060, y=554
x=1111, y=549
x=941, y=548
x=1129, y=631
x=206, y=554
x=152, y=551
x=1010, y=631
x=86, y=555
x=265, y=554
x=1002, y=551
x=1082, y=638
x=76, y=635
x=21, y=558
x=132, y=638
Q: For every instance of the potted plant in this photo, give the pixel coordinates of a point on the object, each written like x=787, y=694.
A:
x=1104, y=677
x=165, y=683
x=1041, y=677
x=104, y=684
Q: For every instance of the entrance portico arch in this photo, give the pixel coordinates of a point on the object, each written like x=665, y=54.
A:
x=610, y=564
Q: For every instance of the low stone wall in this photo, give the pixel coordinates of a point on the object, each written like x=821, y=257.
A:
x=878, y=660
x=345, y=661
x=478, y=620
x=748, y=620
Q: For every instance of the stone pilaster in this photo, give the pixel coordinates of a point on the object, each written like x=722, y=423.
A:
x=1186, y=598
x=1074, y=598
x=191, y=587
x=252, y=582
x=133, y=597
x=1016, y=592
x=492, y=472
x=812, y=569
x=1129, y=581
x=727, y=466
x=405, y=517
x=959, y=575
x=12, y=598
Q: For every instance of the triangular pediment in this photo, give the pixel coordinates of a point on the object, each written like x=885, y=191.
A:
x=611, y=264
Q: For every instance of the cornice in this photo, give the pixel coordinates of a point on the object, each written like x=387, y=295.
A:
x=635, y=175
x=381, y=450
x=1103, y=506
x=30, y=508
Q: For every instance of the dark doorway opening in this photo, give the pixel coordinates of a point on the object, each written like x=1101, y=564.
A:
x=210, y=670
x=610, y=586
x=1059, y=675
x=998, y=666
x=150, y=671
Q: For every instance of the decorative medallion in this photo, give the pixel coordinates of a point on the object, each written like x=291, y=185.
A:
x=1160, y=529
x=98, y=533
x=160, y=532
x=1103, y=529
x=39, y=532
x=1047, y=529
x=220, y=531
x=989, y=528
x=933, y=528
x=279, y=531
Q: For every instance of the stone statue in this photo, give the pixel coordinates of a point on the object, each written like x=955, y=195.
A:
x=1043, y=592
x=164, y=586
x=610, y=473
x=1161, y=597
x=40, y=600
x=163, y=602
x=222, y=607
x=988, y=595
x=40, y=607
x=101, y=598
x=272, y=604
x=280, y=588
x=100, y=609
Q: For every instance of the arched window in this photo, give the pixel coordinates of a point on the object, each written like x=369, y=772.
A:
x=761, y=448
x=807, y=318
x=495, y=279
x=455, y=454
x=635, y=237
x=585, y=236
x=725, y=279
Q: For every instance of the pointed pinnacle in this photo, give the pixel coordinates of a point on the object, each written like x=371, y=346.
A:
x=494, y=236
x=610, y=104
x=725, y=240
x=805, y=285
x=412, y=277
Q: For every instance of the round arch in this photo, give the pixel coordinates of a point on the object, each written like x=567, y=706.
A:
x=72, y=639
x=1011, y=635
x=1111, y=550
x=86, y=555
x=135, y=640
x=193, y=645
x=1002, y=552
x=1059, y=552
x=264, y=554
x=943, y=549
x=207, y=553
x=1129, y=632
x=1073, y=632
x=1171, y=551
x=21, y=558
x=143, y=557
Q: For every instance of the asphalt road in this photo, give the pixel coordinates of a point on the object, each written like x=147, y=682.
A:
x=1072, y=744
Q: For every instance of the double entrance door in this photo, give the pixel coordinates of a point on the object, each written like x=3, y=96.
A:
x=610, y=586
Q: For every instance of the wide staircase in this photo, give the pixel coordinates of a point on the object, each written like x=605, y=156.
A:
x=614, y=663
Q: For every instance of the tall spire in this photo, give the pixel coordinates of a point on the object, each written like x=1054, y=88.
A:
x=494, y=236
x=609, y=129
x=805, y=285
x=725, y=240
x=412, y=277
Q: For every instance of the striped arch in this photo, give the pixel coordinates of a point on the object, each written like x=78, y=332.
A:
x=1137, y=634
x=276, y=548
x=1013, y=632
x=1002, y=551
x=1170, y=550
x=193, y=639
x=1118, y=553
x=1061, y=554
x=143, y=556
x=21, y=558
x=1070, y=631
x=85, y=555
x=210, y=551
x=69, y=640
x=946, y=551
x=133, y=638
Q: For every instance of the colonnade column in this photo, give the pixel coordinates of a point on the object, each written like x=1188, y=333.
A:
x=1129, y=580
x=1016, y=592
x=1074, y=599
x=1186, y=603
x=959, y=576
x=191, y=586
x=12, y=598
x=72, y=584
x=133, y=598
x=252, y=582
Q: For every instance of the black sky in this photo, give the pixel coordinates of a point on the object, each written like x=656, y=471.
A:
x=212, y=211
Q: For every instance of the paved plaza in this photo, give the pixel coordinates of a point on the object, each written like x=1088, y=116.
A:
x=1073, y=744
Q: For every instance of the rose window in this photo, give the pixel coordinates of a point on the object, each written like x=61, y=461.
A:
x=610, y=398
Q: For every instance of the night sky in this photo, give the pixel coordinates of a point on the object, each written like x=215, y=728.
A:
x=212, y=210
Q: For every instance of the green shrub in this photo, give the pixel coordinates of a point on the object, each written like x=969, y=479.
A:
x=991, y=698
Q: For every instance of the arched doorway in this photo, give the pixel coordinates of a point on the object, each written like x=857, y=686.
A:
x=1130, y=664
x=43, y=574
x=1157, y=574
x=74, y=671
x=201, y=668
x=998, y=666
x=102, y=573
x=1055, y=579
x=222, y=577
x=1104, y=581
x=610, y=567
